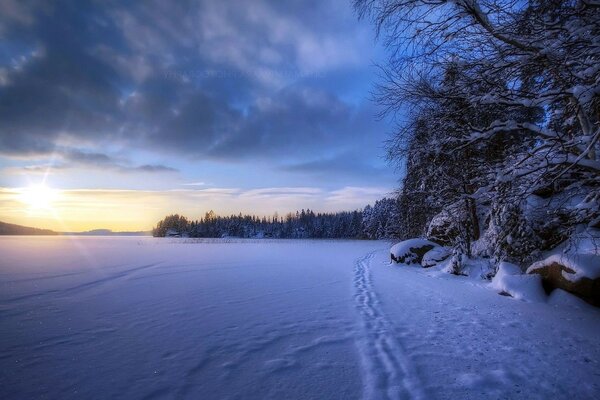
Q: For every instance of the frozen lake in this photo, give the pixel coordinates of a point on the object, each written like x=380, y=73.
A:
x=146, y=318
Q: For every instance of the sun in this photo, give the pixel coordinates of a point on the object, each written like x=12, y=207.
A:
x=39, y=197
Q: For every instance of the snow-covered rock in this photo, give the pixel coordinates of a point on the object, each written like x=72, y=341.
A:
x=573, y=266
x=411, y=251
x=510, y=281
x=576, y=273
x=435, y=256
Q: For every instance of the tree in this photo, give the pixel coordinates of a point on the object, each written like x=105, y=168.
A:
x=503, y=99
x=175, y=222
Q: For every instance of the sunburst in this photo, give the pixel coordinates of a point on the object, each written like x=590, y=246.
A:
x=39, y=197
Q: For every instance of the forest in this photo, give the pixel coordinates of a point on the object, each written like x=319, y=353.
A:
x=373, y=222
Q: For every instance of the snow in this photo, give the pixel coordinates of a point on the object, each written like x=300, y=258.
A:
x=561, y=298
x=510, y=280
x=507, y=269
x=146, y=318
x=406, y=249
x=476, y=268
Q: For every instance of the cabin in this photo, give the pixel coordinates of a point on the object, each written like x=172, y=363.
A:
x=172, y=233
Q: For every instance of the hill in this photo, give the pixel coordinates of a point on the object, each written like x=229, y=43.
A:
x=13, y=229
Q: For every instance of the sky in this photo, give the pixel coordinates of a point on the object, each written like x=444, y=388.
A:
x=115, y=114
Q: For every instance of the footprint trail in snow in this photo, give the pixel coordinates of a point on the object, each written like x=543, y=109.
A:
x=387, y=370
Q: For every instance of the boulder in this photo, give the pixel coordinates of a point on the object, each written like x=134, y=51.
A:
x=411, y=251
x=435, y=256
x=577, y=275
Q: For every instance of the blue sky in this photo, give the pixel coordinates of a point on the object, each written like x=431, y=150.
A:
x=192, y=96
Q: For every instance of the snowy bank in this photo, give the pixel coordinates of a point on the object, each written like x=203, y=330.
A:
x=510, y=281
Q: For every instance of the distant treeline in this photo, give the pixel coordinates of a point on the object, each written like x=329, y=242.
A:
x=13, y=229
x=373, y=222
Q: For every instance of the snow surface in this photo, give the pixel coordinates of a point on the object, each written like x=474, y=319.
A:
x=562, y=298
x=146, y=318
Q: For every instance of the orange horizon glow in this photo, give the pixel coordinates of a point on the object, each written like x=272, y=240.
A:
x=76, y=210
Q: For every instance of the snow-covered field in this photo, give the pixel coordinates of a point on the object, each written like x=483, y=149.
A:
x=145, y=318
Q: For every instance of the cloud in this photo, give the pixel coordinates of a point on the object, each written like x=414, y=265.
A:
x=37, y=168
x=351, y=194
x=58, y=90
x=291, y=122
x=150, y=168
x=77, y=158
x=197, y=81
x=16, y=11
x=286, y=124
x=77, y=80
x=194, y=184
x=73, y=158
x=343, y=164
x=281, y=192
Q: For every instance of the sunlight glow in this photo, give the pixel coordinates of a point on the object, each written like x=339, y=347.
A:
x=39, y=197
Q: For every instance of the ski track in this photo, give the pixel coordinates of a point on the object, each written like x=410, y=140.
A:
x=388, y=371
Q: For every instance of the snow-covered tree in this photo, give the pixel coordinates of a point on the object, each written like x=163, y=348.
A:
x=503, y=106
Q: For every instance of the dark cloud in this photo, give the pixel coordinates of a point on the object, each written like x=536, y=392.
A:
x=150, y=168
x=54, y=88
x=100, y=160
x=206, y=80
x=289, y=122
x=82, y=157
x=292, y=121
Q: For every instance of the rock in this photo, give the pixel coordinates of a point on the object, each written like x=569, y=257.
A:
x=411, y=251
x=557, y=275
x=435, y=256
x=443, y=228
